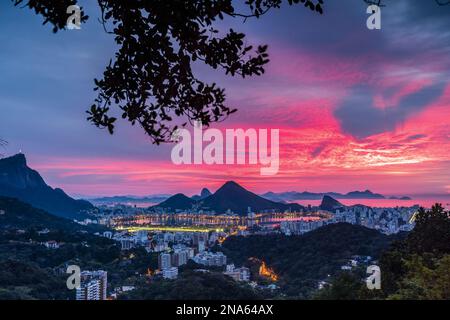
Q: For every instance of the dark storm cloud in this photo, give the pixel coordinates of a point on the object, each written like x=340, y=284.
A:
x=427, y=11
x=360, y=118
x=342, y=30
x=415, y=137
x=317, y=151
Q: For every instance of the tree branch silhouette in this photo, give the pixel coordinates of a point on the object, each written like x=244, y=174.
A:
x=3, y=143
x=150, y=80
x=378, y=2
x=374, y=2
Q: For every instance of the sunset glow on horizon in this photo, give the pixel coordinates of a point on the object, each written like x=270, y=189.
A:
x=356, y=109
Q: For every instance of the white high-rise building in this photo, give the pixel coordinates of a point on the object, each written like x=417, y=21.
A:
x=201, y=246
x=93, y=285
x=179, y=258
x=211, y=259
x=164, y=261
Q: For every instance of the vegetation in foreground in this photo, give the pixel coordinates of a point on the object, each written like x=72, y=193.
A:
x=416, y=268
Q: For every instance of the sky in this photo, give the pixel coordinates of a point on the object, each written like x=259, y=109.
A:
x=357, y=109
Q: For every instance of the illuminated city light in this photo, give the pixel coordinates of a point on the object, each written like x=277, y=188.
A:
x=168, y=228
x=267, y=272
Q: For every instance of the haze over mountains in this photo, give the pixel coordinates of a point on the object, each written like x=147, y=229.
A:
x=19, y=181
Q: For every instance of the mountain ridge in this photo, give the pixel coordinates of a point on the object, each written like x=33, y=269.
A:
x=230, y=196
x=203, y=194
x=129, y=199
x=19, y=181
x=330, y=204
x=16, y=214
x=178, y=201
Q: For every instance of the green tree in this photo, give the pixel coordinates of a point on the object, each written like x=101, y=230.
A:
x=423, y=282
x=192, y=285
x=432, y=231
x=345, y=286
x=407, y=267
x=417, y=267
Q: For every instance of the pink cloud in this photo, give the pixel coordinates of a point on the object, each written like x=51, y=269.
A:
x=298, y=96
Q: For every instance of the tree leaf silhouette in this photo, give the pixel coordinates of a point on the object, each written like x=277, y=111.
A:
x=151, y=79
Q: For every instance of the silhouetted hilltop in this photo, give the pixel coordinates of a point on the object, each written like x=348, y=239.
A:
x=177, y=202
x=203, y=194
x=238, y=199
x=15, y=214
x=231, y=196
x=19, y=181
x=330, y=204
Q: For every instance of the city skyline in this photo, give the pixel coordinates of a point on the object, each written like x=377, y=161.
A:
x=351, y=117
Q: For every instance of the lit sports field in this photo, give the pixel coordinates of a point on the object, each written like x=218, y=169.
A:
x=170, y=229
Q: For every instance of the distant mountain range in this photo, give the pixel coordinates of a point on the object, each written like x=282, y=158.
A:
x=231, y=196
x=294, y=195
x=19, y=181
x=154, y=198
x=130, y=199
x=276, y=197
